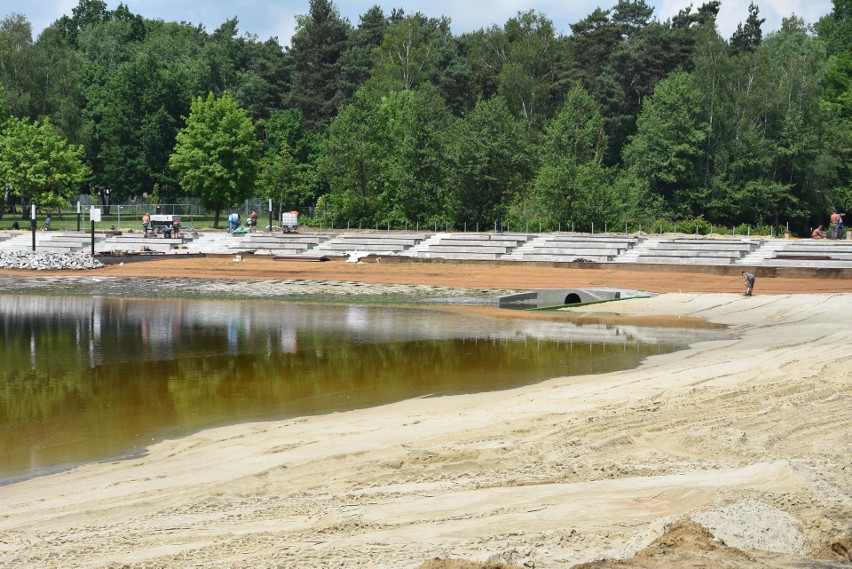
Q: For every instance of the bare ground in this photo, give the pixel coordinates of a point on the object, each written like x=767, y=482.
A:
x=751, y=436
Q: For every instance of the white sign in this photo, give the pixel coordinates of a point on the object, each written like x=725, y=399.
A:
x=95, y=214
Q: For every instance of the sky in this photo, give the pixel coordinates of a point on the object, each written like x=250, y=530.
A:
x=268, y=18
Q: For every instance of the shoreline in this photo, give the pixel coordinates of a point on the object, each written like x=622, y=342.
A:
x=748, y=432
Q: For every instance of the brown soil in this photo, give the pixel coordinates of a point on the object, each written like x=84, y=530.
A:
x=486, y=275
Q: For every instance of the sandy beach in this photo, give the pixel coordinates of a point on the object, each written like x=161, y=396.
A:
x=747, y=438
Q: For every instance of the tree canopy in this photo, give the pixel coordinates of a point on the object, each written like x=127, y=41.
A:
x=216, y=153
x=399, y=121
x=37, y=164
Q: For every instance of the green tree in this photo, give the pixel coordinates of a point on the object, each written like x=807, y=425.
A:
x=264, y=74
x=592, y=41
x=518, y=61
x=284, y=180
x=748, y=36
x=665, y=151
x=5, y=113
x=56, y=84
x=86, y=13
x=834, y=164
x=796, y=64
x=385, y=159
x=355, y=62
x=409, y=54
x=490, y=162
x=572, y=185
x=316, y=49
x=38, y=165
x=216, y=154
x=288, y=166
x=16, y=64
x=415, y=174
x=352, y=160
x=135, y=97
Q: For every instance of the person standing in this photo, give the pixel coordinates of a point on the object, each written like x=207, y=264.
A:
x=836, y=225
x=253, y=221
x=749, y=282
x=146, y=220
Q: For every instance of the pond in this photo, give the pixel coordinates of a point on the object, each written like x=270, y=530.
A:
x=86, y=379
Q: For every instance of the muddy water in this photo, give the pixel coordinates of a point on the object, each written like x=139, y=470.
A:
x=85, y=379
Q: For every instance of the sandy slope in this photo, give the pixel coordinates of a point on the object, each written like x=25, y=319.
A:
x=550, y=475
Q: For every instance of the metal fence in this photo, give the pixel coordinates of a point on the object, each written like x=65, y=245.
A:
x=129, y=214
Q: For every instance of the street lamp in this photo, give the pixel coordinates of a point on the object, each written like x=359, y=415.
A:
x=33, y=221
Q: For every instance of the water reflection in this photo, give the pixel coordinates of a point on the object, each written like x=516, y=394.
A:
x=90, y=378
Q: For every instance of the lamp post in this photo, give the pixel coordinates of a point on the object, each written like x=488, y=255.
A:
x=33, y=221
x=78, y=215
x=270, y=215
x=92, y=219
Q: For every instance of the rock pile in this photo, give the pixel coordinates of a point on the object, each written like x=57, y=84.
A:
x=45, y=261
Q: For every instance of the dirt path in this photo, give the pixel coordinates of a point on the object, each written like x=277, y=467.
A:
x=473, y=275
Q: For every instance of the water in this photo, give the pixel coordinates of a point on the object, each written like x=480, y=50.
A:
x=85, y=379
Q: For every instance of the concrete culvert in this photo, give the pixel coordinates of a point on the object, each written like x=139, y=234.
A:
x=572, y=298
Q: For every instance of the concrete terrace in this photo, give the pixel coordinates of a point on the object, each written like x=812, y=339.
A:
x=509, y=247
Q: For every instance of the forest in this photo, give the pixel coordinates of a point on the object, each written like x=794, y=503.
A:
x=397, y=122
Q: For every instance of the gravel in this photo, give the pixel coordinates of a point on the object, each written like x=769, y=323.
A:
x=754, y=525
x=46, y=261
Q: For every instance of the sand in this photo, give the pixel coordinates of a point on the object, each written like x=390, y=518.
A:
x=750, y=436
